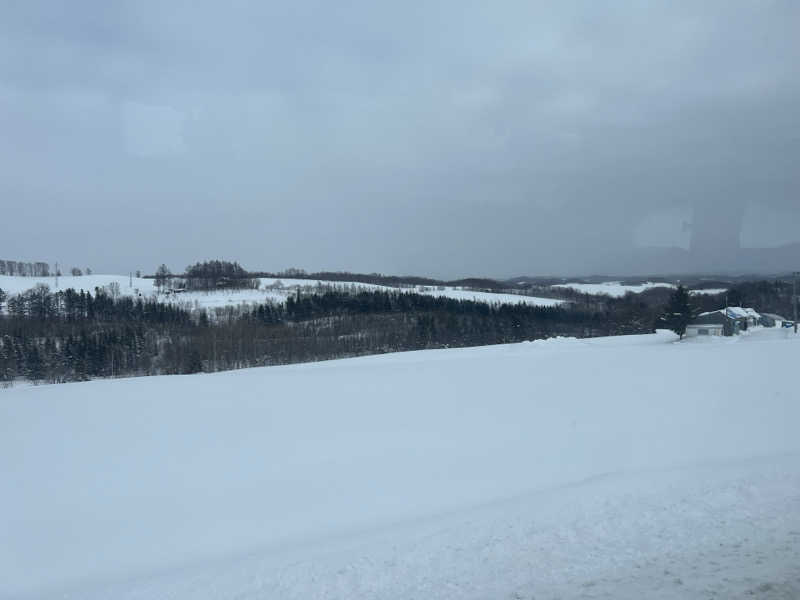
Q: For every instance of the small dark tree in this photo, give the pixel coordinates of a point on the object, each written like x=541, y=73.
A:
x=678, y=312
x=3, y=297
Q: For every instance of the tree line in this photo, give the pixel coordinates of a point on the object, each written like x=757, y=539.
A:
x=66, y=335
x=478, y=283
x=24, y=269
x=73, y=336
x=34, y=269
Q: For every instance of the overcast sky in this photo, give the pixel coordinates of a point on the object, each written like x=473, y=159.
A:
x=439, y=138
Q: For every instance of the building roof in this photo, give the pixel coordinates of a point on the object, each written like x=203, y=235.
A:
x=735, y=312
x=716, y=317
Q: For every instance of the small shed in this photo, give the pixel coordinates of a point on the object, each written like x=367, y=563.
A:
x=772, y=320
x=711, y=324
x=725, y=321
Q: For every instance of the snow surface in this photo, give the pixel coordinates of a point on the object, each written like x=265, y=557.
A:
x=627, y=467
x=272, y=289
x=14, y=284
x=617, y=289
x=612, y=288
x=456, y=293
x=709, y=291
x=488, y=297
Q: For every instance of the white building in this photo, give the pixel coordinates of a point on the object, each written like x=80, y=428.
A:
x=725, y=321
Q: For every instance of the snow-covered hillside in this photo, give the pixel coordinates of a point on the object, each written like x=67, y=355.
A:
x=488, y=297
x=270, y=290
x=13, y=284
x=617, y=289
x=629, y=467
x=611, y=288
x=456, y=293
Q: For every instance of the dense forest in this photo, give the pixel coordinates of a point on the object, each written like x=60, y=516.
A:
x=69, y=336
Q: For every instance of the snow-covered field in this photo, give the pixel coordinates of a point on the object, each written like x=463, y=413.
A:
x=612, y=288
x=629, y=467
x=456, y=293
x=709, y=291
x=617, y=289
x=271, y=290
x=488, y=297
x=13, y=284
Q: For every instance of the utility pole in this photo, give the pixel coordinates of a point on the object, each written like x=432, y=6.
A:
x=56, y=275
x=728, y=322
x=794, y=298
x=130, y=279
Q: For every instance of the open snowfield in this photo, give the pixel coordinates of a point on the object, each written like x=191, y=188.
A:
x=488, y=297
x=271, y=290
x=455, y=293
x=616, y=289
x=13, y=284
x=629, y=467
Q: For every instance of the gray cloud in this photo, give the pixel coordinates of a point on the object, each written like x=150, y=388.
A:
x=444, y=138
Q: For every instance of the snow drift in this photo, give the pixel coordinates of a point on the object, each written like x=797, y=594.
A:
x=238, y=483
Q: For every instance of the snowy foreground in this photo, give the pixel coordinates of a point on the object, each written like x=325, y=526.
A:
x=627, y=468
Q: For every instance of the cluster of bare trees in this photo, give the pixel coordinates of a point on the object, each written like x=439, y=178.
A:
x=24, y=269
x=35, y=269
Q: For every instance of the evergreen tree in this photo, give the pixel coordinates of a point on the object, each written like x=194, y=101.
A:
x=678, y=312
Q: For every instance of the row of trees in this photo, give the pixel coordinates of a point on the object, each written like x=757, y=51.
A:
x=39, y=307
x=345, y=276
x=480, y=283
x=24, y=269
x=34, y=269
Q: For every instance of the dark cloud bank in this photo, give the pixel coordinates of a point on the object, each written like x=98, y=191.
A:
x=441, y=138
